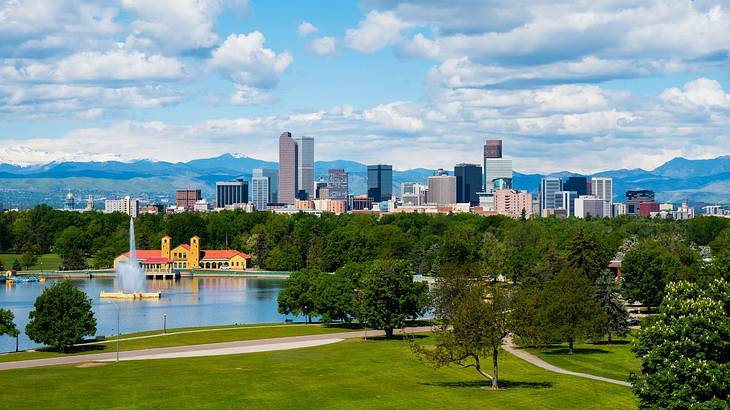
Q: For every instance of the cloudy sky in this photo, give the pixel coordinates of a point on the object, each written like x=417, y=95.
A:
x=580, y=86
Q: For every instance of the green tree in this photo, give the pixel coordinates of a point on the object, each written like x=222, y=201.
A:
x=28, y=259
x=71, y=246
x=299, y=294
x=61, y=317
x=16, y=265
x=650, y=265
x=615, y=314
x=333, y=296
x=7, y=325
x=474, y=317
x=569, y=309
x=684, y=351
x=387, y=296
x=528, y=323
x=587, y=253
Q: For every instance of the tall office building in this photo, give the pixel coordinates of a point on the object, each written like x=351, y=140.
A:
x=320, y=190
x=287, y=168
x=442, y=189
x=305, y=165
x=468, y=183
x=635, y=197
x=566, y=200
x=337, y=183
x=231, y=192
x=380, y=182
x=580, y=185
x=548, y=187
x=495, y=166
x=126, y=205
x=413, y=193
x=602, y=188
x=186, y=198
x=493, y=149
x=590, y=205
x=264, y=187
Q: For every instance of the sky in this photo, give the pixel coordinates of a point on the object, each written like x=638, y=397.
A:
x=581, y=86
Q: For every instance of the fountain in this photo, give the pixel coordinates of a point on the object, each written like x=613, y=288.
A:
x=131, y=276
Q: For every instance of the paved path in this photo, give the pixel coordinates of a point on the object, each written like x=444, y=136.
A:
x=510, y=347
x=210, y=349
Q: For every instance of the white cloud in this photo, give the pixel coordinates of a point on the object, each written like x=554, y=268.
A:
x=243, y=59
x=306, y=28
x=394, y=116
x=246, y=95
x=700, y=93
x=322, y=46
x=377, y=31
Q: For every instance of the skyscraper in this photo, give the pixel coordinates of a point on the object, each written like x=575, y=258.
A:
x=548, y=187
x=380, y=182
x=566, y=200
x=231, y=192
x=635, y=197
x=337, y=183
x=413, y=193
x=468, y=183
x=602, y=188
x=186, y=198
x=442, y=189
x=287, y=168
x=264, y=187
x=580, y=185
x=495, y=166
x=305, y=165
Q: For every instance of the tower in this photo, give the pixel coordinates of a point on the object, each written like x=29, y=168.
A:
x=165, y=247
x=194, y=254
x=287, y=168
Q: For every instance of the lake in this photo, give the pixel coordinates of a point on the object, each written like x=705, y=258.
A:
x=187, y=302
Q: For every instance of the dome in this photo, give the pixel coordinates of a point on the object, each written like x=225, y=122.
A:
x=69, y=196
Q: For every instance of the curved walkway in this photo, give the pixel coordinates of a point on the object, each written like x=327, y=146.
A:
x=510, y=347
x=210, y=349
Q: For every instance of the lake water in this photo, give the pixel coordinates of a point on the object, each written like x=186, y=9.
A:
x=187, y=302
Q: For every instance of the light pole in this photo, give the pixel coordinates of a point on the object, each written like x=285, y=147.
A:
x=164, y=323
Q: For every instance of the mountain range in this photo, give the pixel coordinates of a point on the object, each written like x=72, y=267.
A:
x=699, y=181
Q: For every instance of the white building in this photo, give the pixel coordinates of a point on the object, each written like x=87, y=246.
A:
x=496, y=168
x=548, y=187
x=618, y=209
x=565, y=200
x=202, y=206
x=305, y=165
x=413, y=193
x=602, y=188
x=126, y=205
x=589, y=205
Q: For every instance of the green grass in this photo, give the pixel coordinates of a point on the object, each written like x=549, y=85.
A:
x=49, y=261
x=223, y=334
x=608, y=360
x=353, y=374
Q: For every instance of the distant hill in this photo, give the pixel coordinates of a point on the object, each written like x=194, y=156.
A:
x=700, y=181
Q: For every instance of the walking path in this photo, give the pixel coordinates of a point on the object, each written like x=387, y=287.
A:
x=510, y=347
x=210, y=349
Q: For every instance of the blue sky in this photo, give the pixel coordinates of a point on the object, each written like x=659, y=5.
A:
x=580, y=86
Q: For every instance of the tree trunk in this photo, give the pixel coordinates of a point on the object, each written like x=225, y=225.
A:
x=609, y=338
x=388, y=333
x=16, y=344
x=495, y=365
x=570, y=346
x=478, y=367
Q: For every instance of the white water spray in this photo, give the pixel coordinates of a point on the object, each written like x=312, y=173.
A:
x=130, y=275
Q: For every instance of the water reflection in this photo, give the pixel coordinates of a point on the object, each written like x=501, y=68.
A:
x=187, y=302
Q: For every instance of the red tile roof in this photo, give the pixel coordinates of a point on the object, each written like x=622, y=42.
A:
x=222, y=254
x=146, y=254
x=186, y=246
x=156, y=260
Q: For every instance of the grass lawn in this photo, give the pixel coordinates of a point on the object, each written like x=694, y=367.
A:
x=609, y=360
x=353, y=374
x=49, y=261
x=223, y=334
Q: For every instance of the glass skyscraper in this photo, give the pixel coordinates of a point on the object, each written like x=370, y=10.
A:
x=380, y=182
x=468, y=183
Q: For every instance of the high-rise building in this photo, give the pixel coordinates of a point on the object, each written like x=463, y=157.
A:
x=468, y=183
x=305, y=165
x=126, y=205
x=602, y=188
x=565, y=200
x=260, y=191
x=186, y=198
x=288, y=168
x=320, y=189
x=513, y=203
x=231, y=192
x=548, y=187
x=273, y=176
x=337, y=183
x=413, y=193
x=442, y=189
x=380, y=182
x=635, y=197
x=580, y=185
x=590, y=205
x=495, y=166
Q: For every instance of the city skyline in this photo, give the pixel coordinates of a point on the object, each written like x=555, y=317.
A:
x=372, y=81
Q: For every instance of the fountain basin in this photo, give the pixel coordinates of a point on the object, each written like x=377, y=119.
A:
x=132, y=295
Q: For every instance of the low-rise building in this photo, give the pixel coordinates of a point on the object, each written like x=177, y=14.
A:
x=513, y=203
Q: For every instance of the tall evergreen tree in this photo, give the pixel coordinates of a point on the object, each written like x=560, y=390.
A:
x=616, y=316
